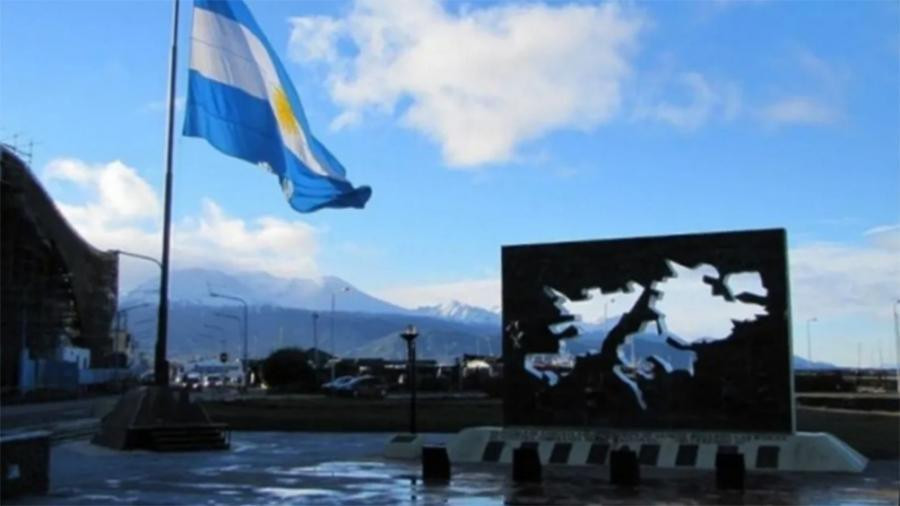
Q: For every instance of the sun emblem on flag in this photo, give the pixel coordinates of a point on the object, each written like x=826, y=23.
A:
x=287, y=187
x=283, y=112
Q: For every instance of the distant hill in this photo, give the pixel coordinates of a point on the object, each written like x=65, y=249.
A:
x=192, y=286
x=364, y=326
x=455, y=310
x=801, y=364
x=196, y=331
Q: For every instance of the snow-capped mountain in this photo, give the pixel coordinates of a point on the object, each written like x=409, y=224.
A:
x=192, y=286
x=457, y=311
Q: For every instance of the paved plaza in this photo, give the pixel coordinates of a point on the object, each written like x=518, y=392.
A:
x=332, y=468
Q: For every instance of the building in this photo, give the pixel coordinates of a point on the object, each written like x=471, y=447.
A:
x=53, y=283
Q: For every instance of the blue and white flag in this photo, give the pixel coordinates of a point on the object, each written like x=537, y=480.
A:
x=242, y=101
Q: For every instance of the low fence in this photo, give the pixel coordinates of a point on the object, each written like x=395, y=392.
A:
x=99, y=376
x=46, y=374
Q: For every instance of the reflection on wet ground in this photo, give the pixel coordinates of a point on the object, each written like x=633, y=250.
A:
x=306, y=468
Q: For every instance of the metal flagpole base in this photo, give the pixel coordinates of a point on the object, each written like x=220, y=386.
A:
x=800, y=451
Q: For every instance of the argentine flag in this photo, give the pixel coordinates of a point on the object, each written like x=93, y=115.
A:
x=241, y=100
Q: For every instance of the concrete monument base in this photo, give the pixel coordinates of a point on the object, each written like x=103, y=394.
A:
x=801, y=451
x=404, y=446
x=160, y=418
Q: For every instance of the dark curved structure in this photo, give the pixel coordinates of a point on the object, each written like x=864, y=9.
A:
x=53, y=283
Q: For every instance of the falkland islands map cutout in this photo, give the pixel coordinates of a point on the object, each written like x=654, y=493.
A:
x=661, y=332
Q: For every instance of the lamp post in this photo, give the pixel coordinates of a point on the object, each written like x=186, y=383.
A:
x=809, y=339
x=122, y=315
x=409, y=335
x=244, y=302
x=333, y=348
x=238, y=320
x=160, y=365
x=220, y=331
x=138, y=255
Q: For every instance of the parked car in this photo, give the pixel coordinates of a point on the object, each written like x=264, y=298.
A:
x=148, y=378
x=192, y=381
x=212, y=380
x=365, y=386
x=332, y=387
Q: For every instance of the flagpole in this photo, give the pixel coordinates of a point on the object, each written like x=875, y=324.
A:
x=161, y=365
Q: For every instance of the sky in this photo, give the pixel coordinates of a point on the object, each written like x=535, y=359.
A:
x=482, y=124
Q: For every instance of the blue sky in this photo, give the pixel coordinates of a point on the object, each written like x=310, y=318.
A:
x=483, y=124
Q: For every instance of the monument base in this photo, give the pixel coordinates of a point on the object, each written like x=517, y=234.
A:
x=404, y=446
x=801, y=451
x=160, y=418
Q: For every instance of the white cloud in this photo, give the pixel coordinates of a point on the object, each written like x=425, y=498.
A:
x=885, y=236
x=479, y=82
x=315, y=38
x=815, y=98
x=695, y=101
x=798, y=111
x=120, y=210
x=117, y=192
x=833, y=280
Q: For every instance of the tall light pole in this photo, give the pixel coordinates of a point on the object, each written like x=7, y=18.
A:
x=220, y=331
x=409, y=335
x=138, y=255
x=122, y=315
x=244, y=302
x=897, y=338
x=333, y=347
x=160, y=366
x=809, y=340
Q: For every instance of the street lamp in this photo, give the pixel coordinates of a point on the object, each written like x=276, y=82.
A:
x=220, y=331
x=137, y=255
x=160, y=365
x=333, y=348
x=244, y=302
x=809, y=339
x=122, y=315
x=409, y=335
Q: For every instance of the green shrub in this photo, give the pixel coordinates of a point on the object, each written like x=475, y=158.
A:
x=288, y=369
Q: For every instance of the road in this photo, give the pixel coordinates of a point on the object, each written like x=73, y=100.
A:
x=36, y=415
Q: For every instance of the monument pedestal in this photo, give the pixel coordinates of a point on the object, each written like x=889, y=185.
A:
x=801, y=451
x=160, y=418
x=404, y=446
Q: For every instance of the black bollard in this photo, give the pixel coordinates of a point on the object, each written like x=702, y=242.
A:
x=435, y=464
x=730, y=471
x=624, y=469
x=526, y=465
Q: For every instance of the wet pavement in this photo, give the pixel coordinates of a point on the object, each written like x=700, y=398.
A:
x=330, y=468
